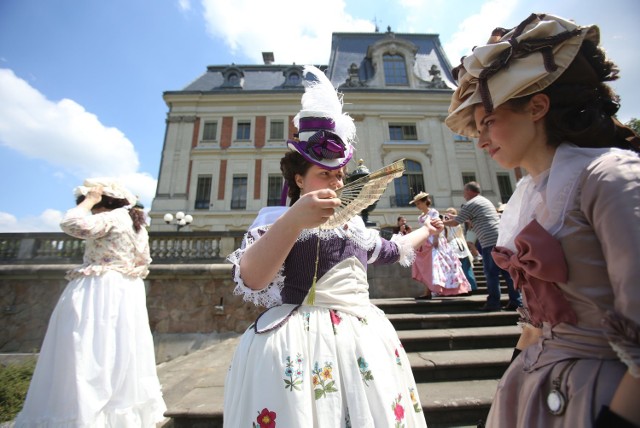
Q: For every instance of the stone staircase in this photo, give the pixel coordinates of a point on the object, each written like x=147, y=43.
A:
x=457, y=355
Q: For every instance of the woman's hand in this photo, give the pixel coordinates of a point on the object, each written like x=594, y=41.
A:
x=437, y=225
x=94, y=195
x=313, y=209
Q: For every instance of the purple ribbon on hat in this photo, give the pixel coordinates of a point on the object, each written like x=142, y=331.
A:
x=325, y=145
x=316, y=124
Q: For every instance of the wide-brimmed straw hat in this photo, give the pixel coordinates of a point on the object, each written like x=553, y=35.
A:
x=515, y=63
x=419, y=197
x=325, y=134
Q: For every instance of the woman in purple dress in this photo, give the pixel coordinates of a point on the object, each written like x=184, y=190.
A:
x=322, y=355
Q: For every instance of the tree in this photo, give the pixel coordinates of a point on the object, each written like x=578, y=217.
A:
x=634, y=124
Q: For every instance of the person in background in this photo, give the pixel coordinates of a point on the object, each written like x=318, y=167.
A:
x=458, y=243
x=322, y=354
x=402, y=227
x=97, y=366
x=444, y=275
x=536, y=97
x=484, y=217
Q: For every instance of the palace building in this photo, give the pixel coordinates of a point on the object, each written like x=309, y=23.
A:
x=227, y=130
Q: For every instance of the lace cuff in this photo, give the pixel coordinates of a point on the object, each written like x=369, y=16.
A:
x=268, y=296
x=407, y=253
x=624, y=337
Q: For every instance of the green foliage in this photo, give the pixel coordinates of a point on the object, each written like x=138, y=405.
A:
x=14, y=383
x=634, y=124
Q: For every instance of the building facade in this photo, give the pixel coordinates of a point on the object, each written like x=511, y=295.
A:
x=227, y=130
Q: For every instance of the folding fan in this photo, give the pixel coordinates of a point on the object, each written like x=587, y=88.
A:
x=361, y=193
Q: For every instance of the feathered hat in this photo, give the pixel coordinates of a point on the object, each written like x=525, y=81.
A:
x=325, y=134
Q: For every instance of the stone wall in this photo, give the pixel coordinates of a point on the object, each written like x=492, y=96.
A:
x=186, y=302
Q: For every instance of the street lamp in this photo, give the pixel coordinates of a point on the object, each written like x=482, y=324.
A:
x=182, y=220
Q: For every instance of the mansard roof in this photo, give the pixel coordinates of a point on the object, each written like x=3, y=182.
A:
x=354, y=58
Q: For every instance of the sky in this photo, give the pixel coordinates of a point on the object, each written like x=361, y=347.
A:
x=81, y=81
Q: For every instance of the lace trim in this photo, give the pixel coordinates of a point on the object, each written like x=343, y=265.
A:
x=407, y=252
x=268, y=296
x=624, y=337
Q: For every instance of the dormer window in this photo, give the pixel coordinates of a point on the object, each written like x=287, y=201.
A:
x=292, y=77
x=233, y=78
x=395, y=70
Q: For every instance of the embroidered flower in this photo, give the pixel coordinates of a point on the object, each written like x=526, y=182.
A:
x=295, y=378
x=266, y=419
x=364, y=372
x=323, y=382
x=398, y=411
x=414, y=401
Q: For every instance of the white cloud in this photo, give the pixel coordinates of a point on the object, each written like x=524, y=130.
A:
x=47, y=221
x=184, y=5
x=476, y=29
x=62, y=133
x=67, y=136
x=292, y=31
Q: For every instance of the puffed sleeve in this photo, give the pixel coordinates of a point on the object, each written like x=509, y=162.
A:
x=78, y=223
x=268, y=296
x=610, y=200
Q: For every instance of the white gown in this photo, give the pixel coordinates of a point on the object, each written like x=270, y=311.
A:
x=97, y=365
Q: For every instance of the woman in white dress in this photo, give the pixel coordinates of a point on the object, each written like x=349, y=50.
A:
x=437, y=266
x=97, y=365
x=322, y=355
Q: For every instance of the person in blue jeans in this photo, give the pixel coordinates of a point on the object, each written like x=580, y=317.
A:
x=484, y=217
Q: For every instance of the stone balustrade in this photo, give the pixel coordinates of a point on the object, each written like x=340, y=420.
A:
x=189, y=287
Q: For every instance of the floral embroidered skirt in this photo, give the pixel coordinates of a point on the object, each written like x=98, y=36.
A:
x=448, y=278
x=322, y=368
x=97, y=365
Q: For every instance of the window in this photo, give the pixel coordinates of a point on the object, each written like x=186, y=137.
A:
x=402, y=132
x=243, y=131
x=203, y=192
x=461, y=138
x=274, y=190
x=504, y=184
x=410, y=184
x=395, y=71
x=210, y=132
x=276, y=130
x=468, y=176
x=239, y=193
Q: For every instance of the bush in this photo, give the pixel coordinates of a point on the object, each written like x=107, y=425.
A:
x=14, y=383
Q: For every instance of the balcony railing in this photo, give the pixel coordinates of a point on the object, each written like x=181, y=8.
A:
x=165, y=247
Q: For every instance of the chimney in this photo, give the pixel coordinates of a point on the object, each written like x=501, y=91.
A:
x=267, y=57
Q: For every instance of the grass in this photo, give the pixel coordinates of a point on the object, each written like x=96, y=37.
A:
x=14, y=383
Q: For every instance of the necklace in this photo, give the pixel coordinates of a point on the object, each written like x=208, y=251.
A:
x=556, y=399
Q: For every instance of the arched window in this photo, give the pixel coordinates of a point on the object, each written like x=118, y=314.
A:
x=395, y=70
x=410, y=184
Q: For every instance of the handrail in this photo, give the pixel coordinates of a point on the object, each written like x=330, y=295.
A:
x=165, y=247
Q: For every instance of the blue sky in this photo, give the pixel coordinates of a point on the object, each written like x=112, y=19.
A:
x=81, y=81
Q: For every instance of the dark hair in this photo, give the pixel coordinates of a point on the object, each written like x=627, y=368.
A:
x=137, y=215
x=474, y=186
x=292, y=164
x=582, y=106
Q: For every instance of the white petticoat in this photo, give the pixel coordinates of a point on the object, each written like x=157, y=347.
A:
x=319, y=367
x=97, y=365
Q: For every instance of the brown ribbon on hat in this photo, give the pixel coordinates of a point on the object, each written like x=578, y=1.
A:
x=543, y=45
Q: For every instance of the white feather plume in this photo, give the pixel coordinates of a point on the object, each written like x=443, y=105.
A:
x=321, y=96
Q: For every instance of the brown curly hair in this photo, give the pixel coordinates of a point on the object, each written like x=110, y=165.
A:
x=291, y=164
x=582, y=107
x=137, y=215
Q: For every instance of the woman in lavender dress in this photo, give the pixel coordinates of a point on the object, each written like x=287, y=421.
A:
x=322, y=355
x=536, y=98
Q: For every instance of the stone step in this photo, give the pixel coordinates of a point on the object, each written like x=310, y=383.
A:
x=459, y=338
x=452, y=304
x=416, y=321
x=467, y=364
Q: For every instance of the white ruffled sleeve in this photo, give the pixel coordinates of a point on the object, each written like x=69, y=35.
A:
x=268, y=296
x=405, y=248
